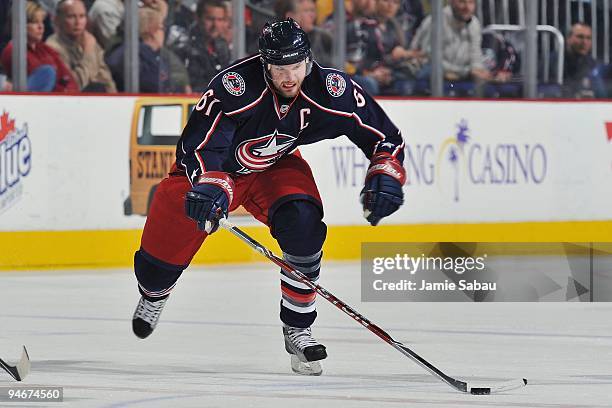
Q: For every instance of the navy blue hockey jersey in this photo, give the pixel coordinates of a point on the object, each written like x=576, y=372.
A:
x=241, y=126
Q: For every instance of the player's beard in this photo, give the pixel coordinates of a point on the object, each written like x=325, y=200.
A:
x=289, y=92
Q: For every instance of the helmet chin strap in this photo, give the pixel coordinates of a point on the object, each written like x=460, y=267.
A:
x=309, y=62
x=266, y=71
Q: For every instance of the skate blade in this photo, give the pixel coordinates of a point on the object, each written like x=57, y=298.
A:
x=22, y=368
x=305, y=368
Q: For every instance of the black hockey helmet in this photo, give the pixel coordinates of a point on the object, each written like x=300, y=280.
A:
x=283, y=43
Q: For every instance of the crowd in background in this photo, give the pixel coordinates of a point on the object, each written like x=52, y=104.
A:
x=77, y=46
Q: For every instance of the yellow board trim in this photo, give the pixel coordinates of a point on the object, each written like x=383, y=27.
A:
x=90, y=249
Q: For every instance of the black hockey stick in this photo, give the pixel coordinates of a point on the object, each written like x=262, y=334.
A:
x=458, y=385
x=22, y=368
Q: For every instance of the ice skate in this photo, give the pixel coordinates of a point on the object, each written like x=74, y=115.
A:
x=305, y=350
x=146, y=316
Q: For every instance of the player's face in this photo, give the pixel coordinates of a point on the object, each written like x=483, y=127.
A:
x=287, y=79
x=36, y=27
x=73, y=19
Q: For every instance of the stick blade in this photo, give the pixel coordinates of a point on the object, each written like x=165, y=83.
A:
x=502, y=387
x=21, y=370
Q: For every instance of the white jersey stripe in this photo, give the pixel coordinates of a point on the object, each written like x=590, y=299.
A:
x=208, y=135
x=398, y=148
x=377, y=132
x=231, y=67
x=335, y=112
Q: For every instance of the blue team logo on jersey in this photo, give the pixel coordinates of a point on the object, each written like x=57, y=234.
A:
x=336, y=85
x=233, y=83
x=15, y=160
x=260, y=153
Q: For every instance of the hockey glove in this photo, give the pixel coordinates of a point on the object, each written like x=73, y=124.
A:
x=382, y=194
x=209, y=200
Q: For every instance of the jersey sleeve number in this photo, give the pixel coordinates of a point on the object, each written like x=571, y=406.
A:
x=359, y=98
x=206, y=102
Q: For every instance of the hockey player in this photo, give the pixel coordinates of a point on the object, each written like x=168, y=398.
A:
x=240, y=148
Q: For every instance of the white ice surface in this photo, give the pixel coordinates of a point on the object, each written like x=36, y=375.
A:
x=219, y=344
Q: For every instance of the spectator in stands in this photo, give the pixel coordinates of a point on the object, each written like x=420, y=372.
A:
x=181, y=16
x=78, y=48
x=117, y=38
x=304, y=12
x=385, y=68
x=359, y=25
x=5, y=84
x=582, y=77
x=49, y=7
x=153, y=71
x=361, y=9
x=104, y=18
x=46, y=70
x=179, y=77
x=158, y=5
x=204, y=50
x=462, y=58
x=409, y=17
x=5, y=23
x=227, y=32
x=182, y=13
